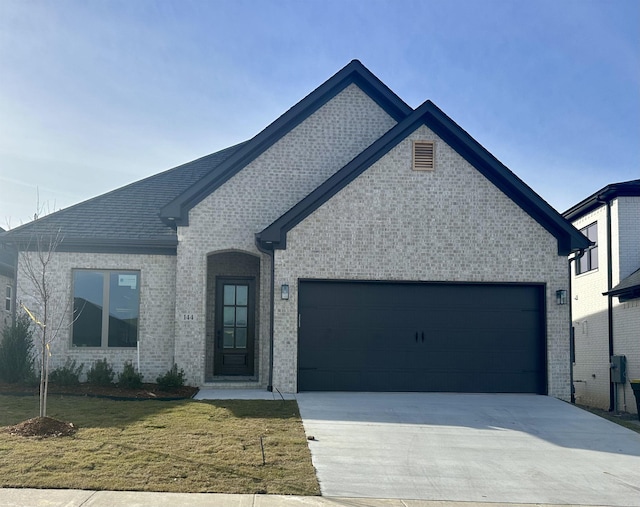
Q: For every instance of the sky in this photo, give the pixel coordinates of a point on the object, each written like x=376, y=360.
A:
x=97, y=94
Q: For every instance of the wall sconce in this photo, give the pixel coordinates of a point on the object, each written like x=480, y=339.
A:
x=561, y=297
x=284, y=291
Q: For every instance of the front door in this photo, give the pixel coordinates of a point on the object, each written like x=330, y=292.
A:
x=234, y=326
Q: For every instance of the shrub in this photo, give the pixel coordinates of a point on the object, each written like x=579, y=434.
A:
x=129, y=378
x=173, y=379
x=67, y=375
x=16, y=353
x=100, y=374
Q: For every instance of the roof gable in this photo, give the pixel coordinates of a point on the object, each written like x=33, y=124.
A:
x=569, y=239
x=177, y=211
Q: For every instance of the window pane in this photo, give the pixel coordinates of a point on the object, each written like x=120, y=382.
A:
x=228, y=338
x=594, y=257
x=229, y=318
x=229, y=295
x=242, y=295
x=583, y=263
x=123, y=309
x=87, y=308
x=241, y=338
x=241, y=316
x=592, y=232
x=8, y=291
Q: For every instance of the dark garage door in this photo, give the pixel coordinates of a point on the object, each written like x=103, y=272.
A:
x=378, y=336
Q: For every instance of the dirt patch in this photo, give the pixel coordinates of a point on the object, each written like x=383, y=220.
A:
x=42, y=427
x=146, y=392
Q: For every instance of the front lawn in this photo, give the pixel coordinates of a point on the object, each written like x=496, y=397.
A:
x=181, y=446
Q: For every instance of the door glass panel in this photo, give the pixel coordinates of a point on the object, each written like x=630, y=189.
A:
x=241, y=316
x=228, y=338
x=229, y=316
x=229, y=294
x=241, y=338
x=242, y=295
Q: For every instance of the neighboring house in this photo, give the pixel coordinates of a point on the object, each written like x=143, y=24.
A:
x=605, y=302
x=353, y=244
x=7, y=284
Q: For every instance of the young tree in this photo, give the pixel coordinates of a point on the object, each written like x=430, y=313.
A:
x=47, y=304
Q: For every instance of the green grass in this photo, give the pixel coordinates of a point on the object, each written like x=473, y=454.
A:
x=181, y=446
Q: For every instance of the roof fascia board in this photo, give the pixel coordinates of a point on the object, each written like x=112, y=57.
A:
x=177, y=211
x=568, y=237
x=594, y=201
x=112, y=246
x=274, y=236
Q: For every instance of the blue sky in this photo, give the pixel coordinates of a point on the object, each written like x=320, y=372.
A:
x=97, y=94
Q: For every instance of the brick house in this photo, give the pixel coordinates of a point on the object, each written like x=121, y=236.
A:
x=605, y=302
x=353, y=244
x=7, y=285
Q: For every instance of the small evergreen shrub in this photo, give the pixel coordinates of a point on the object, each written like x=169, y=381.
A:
x=101, y=373
x=173, y=379
x=67, y=375
x=16, y=353
x=129, y=378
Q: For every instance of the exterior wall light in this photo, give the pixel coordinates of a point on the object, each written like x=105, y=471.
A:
x=284, y=291
x=561, y=297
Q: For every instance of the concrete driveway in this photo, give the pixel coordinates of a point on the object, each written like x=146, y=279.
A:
x=469, y=447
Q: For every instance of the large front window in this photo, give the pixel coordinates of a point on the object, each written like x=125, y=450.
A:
x=105, y=308
x=589, y=260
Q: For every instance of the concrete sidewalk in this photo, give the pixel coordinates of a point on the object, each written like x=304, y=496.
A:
x=82, y=498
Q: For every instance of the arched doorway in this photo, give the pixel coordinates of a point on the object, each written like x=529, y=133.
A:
x=233, y=287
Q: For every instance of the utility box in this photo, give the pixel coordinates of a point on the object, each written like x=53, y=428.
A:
x=618, y=369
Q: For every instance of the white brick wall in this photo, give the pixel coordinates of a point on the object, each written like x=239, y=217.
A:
x=228, y=219
x=157, y=310
x=626, y=316
x=392, y=223
x=627, y=235
x=590, y=313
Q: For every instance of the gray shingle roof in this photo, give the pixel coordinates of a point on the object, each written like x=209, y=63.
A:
x=627, y=285
x=127, y=217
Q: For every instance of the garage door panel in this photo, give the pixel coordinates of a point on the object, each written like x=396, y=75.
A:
x=421, y=337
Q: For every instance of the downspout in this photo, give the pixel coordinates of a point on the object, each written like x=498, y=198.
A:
x=572, y=335
x=271, y=254
x=609, y=299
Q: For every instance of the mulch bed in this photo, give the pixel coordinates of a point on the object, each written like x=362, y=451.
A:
x=42, y=427
x=146, y=392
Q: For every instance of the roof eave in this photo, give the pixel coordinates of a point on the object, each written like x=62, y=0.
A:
x=601, y=197
x=163, y=246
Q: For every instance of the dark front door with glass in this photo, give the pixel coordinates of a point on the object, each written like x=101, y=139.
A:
x=234, y=326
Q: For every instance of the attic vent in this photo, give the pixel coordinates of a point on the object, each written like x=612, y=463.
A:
x=424, y=155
